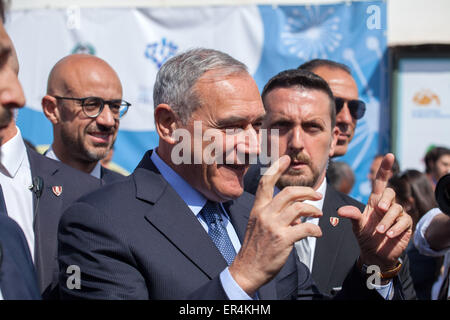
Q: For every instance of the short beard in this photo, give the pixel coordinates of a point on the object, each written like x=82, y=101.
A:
x=6, y=115
x=78, y=150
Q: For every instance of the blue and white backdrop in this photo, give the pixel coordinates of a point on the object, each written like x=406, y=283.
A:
x=269, y=39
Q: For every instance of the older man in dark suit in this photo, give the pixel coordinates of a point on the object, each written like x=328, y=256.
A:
x=181, y=226
x=36, y=189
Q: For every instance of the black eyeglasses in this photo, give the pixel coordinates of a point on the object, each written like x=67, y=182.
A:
x=93, y=106
x=357, y=108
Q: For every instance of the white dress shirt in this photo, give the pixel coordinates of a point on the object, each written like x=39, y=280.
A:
x=319, y=205
x=195, y=201
x=96, y=172
x=384, y=290
x=15, y=178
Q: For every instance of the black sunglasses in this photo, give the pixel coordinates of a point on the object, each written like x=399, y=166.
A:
x=357, y=108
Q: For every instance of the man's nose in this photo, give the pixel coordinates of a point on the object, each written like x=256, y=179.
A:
x=106, y=117
x=296, y=140
x=11, y=92
x=344, y=118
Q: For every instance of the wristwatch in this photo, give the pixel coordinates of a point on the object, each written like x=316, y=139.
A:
x=389, y=274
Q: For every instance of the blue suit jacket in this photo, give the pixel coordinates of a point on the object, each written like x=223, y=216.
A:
x=17, y=276
x=48, y=208
x=137, y=239
x=109, y=176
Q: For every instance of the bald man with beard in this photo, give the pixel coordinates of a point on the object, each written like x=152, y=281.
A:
x=84, y=104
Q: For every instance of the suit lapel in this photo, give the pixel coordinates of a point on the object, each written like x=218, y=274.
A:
x=327, y=246
x=173, y=218
x=45, y=223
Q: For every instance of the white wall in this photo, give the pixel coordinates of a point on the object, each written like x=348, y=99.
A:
x=418, y=21
x=409, y=21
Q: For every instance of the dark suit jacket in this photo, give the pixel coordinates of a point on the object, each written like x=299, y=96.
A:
x=337, y=250
x=109, y=176
x=17, y=275
x=48, y=209
x=137, y=239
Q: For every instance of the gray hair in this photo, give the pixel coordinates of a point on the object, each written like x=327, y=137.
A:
x=176, y=79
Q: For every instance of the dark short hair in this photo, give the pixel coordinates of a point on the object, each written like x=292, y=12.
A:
x=302, y=79
x=312, y=65
x=433, y=155
x=413, y=184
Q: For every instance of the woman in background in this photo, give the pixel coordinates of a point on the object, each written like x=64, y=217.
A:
x=415, y=193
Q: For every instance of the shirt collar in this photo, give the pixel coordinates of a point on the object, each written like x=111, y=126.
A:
x=322, y=189
x=193, y=199
x=96, y=172
x=12, y=154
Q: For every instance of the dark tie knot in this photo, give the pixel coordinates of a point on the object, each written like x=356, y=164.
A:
x=211, y=213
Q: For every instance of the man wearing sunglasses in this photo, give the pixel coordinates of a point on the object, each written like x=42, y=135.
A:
x=84, y=104
x=349, y=109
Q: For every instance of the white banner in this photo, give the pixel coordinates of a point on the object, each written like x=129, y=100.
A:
x=423, y=109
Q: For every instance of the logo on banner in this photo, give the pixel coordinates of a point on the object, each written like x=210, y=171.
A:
x=160, y=52
x=86, y=48
x=311, y=32
x=425, y=98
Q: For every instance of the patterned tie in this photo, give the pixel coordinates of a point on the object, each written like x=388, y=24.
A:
x=217, y=231
x=303, y=249
x=2, y=204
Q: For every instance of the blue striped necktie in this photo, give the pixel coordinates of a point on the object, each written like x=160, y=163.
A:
x=2, y=204
x=216, y=230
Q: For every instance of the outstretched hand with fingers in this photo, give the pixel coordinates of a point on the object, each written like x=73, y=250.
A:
x=384, y=229
x=272, y=229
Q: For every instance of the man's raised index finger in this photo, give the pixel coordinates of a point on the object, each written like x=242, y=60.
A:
x=383, y=174
x=270, y=178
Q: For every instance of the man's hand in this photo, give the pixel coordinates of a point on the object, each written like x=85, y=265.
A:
x=272, y=229
x=384, y=229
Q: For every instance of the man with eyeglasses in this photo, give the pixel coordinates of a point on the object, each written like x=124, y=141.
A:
x=349, y=109
x=84, y=104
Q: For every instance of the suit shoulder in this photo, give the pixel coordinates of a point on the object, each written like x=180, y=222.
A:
x=109, y=176
x=342, y=199
x=353, y=202
x=114, y=192
x=63, y=169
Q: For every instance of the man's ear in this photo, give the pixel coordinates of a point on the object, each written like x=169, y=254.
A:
x=166, y=122
x=50, y=108
x=334, y=138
